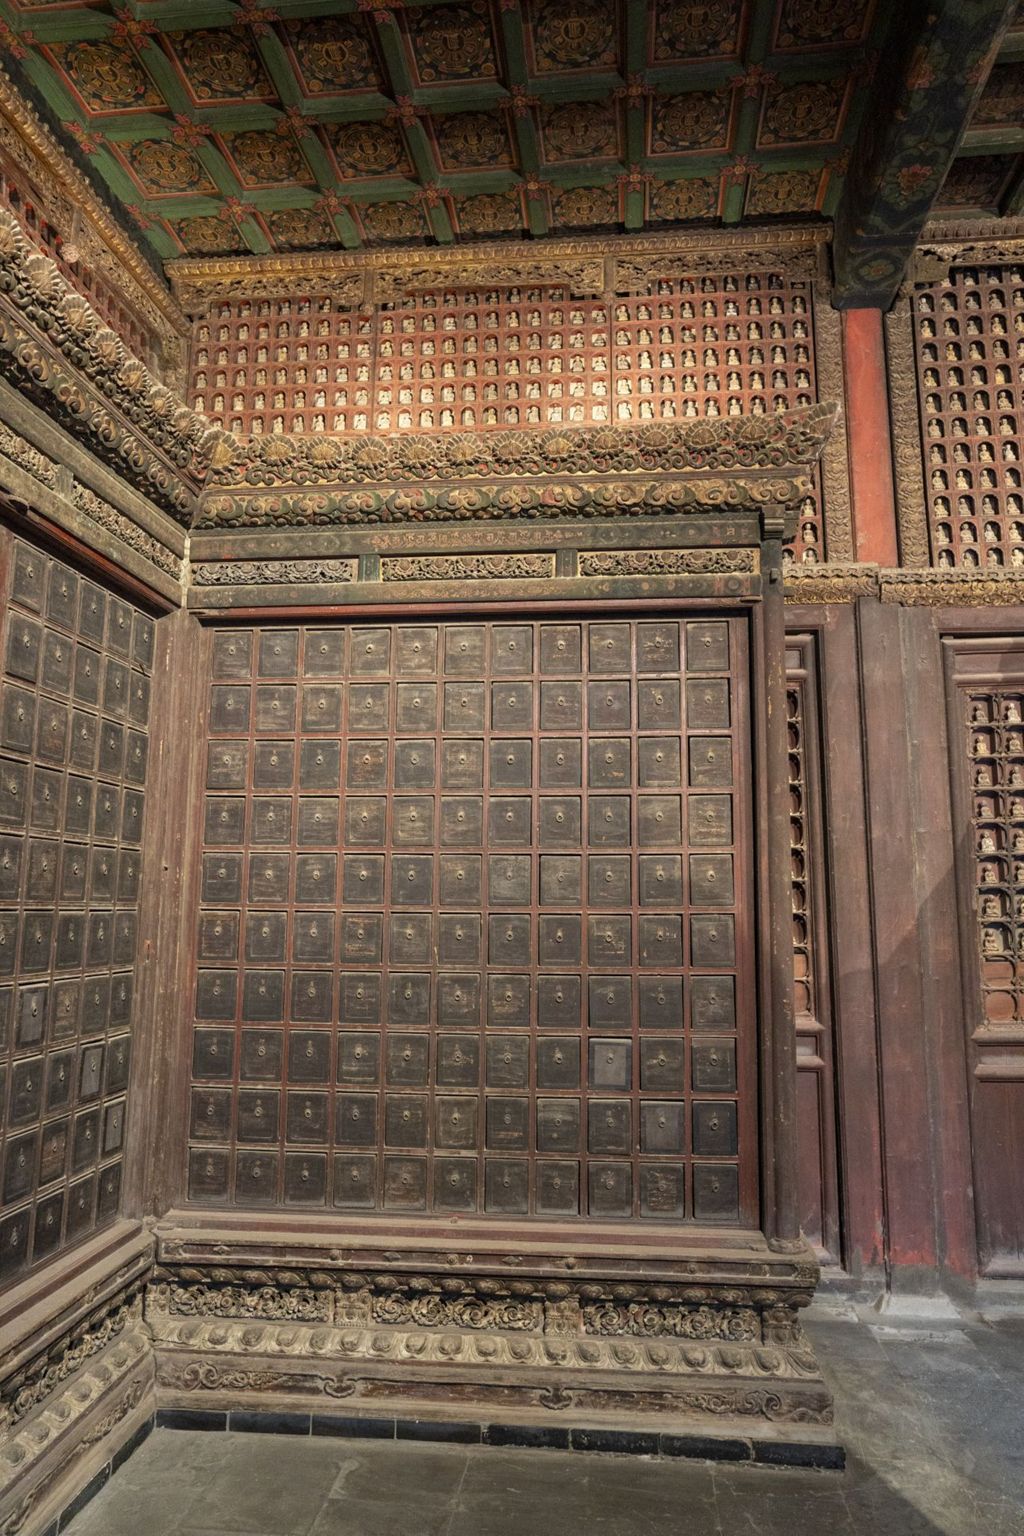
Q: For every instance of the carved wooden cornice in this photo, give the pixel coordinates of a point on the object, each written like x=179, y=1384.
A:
x=107, y=247
x=588, y=265
x=947, y=243
x=953, y=588
x=61, y=354
x=738, y=463
x=830, y=583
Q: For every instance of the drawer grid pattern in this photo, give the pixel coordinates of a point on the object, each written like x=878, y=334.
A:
x=468, y=931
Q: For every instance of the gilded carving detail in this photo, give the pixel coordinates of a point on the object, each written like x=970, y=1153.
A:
x=480, y=503
x=103, y=374
x=260, y=573
x=738, y=444
x=830, y=583
x=588, y=264
x=965, y=588
x=667, y=562
x=465, y=567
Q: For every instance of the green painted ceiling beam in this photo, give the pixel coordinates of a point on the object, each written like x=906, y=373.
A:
x=928, y=83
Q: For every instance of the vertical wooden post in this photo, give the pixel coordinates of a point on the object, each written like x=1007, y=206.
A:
x=782, y=1214
x=872, y=490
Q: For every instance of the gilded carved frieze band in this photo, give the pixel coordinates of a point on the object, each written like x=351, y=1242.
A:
x=588, y=265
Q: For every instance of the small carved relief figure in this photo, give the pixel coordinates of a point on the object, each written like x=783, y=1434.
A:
x=992, y=942
x=990, y=907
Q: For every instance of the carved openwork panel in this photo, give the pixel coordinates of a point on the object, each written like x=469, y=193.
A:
x=474, y=928
x=969, y=338
x=993, y=725
x=74, y=718
x=986, y=714
x=705, y=347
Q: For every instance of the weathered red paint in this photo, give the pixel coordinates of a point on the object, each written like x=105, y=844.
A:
x=868, y=434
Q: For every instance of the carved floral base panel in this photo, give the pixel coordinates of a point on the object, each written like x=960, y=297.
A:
x=400, y=1344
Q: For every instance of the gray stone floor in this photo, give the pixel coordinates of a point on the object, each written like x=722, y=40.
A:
x=932, y=1417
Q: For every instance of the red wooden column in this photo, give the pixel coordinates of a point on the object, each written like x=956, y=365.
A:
x=872, y=492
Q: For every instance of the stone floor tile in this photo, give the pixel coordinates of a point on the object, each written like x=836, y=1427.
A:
x=377, y=1471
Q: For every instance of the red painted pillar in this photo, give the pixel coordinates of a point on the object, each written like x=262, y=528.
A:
x=872, y=493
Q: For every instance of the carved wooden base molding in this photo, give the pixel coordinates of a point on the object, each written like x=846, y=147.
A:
x=395, y=1342
x=66, y=1421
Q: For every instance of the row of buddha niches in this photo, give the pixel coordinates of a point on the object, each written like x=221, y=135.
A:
x=995, y=737
x=970, y=356
x=704, y=348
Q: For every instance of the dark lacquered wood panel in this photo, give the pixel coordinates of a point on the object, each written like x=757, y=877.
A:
x=474, y=932
x=74, y=745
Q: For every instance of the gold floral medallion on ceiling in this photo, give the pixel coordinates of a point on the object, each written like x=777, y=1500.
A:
x=489, y=213
x=586, y=207
x=208, y=236
x=333, y=54
x=369, y=149
x=806, y=113
x=820, y=23
x=677, y=201
x=685, y=29
x=579, y=130
x=263, y=158
x=220, y=65
x=161, y=166
x=451, y=42
x=392, y=221
x=470, y=140
x=694, y=120
x=300, y=228
x=105, y=76
x=574, y=34
x=784, y=192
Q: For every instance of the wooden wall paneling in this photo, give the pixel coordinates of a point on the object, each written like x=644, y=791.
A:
x=938, y=941
x=844, y=960
x=154, y=1179
x=908, y=1178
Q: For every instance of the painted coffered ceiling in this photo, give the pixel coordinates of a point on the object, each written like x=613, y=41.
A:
x=987, y=175
x=224, y=128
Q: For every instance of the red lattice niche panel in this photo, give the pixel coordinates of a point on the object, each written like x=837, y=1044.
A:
x=703, y=347
x=970, y=358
